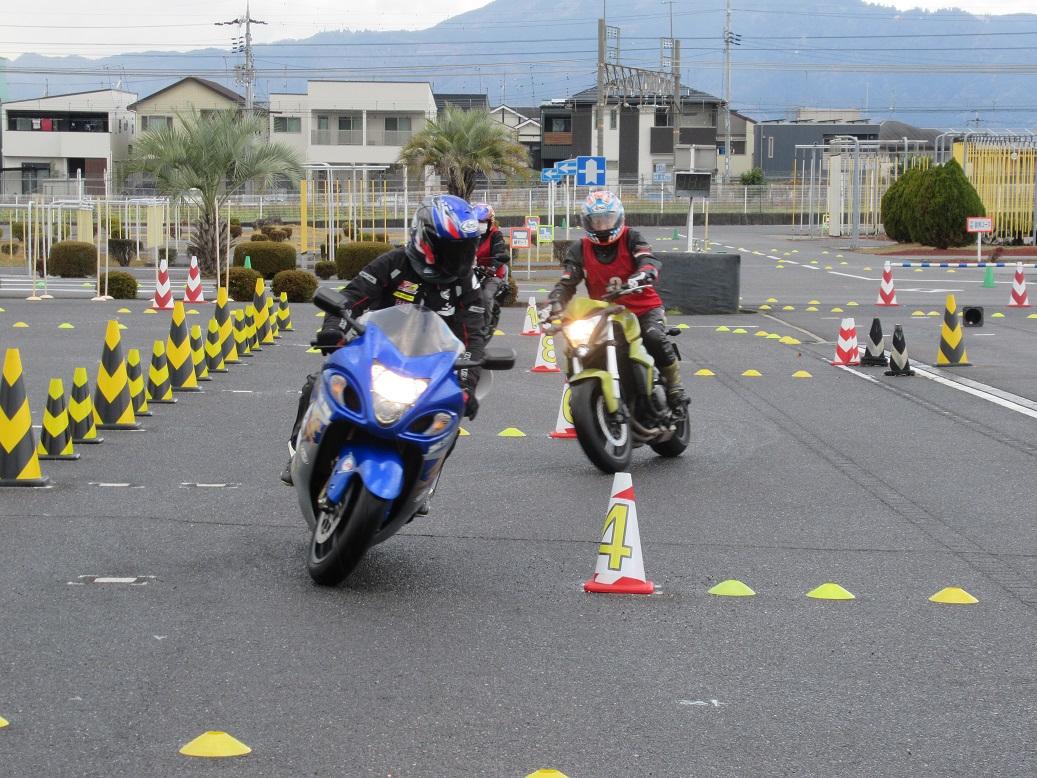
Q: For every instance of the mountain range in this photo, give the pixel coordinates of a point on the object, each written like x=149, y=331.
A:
x=937, y=69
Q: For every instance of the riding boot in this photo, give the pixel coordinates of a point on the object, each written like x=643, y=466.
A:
x=675, y=396
x=286, y=474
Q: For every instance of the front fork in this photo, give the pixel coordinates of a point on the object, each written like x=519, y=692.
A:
x=611, y=366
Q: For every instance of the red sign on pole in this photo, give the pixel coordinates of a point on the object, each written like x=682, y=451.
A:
x=979, y=224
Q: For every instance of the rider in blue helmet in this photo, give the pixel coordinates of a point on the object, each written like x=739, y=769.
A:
x=433, y=269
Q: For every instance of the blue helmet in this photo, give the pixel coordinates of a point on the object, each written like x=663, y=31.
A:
x=603, y=217
x=443, y=238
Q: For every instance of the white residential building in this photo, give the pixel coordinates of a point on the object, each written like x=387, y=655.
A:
x=77, y=135
x=351, y=122
x=525, y=123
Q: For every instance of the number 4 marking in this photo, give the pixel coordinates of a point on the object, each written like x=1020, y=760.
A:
x=614, y=549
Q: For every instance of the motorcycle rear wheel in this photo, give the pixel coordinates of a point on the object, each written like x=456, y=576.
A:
x=340, y=538
x=606, y=441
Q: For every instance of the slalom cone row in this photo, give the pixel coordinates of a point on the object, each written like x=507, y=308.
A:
x=122, y=394
x=1018, y=297
x=620, y=565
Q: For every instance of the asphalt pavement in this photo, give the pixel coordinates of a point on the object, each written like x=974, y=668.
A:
x=465, y=645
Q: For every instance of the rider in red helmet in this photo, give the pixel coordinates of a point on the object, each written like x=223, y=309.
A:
x=491, y=256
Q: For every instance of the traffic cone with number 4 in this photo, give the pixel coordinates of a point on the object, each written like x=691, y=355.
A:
x=621, y=567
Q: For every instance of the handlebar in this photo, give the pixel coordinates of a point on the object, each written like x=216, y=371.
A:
x=625, y=289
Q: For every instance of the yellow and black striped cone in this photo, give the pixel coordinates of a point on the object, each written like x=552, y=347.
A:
x=19, y=463
x=136, y=378
x=81, y=410
x=899, y=364
x=241, y=335
x=201, y=367
x=259, y=307
x=113, y=407
x=214, y=349
x=225, y=328
x=251, y=329
x=952, y=338
x=159, y=388
x=271, y=317
x=55, y=436
x=284, y=313
x=178, y=353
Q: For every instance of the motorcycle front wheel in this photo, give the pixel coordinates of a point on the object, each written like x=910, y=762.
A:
x=675, y=446
x=342, y=536
x=604, y=438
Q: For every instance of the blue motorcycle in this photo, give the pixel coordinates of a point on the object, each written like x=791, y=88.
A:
x=385, y=414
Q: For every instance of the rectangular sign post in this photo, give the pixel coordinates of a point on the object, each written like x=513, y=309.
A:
x=590, y=171
x=979, y=225
x=520, y=240
x=546, y=234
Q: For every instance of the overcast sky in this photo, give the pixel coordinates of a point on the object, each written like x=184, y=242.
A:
x=109, y=26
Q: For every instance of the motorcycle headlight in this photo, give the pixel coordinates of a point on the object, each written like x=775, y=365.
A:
x=393, y=393
x=579, y=332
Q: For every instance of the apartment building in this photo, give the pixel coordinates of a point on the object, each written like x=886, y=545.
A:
x=525, y=123
x=184, y=97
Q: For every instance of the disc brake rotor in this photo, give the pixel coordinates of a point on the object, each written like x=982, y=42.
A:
x=615, y=433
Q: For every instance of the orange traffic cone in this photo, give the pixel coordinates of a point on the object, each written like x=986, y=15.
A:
x=564, y=428
x=621, y=567
x=847, y=352
x=547, y=360
x=1020, y=297
x=163, y=297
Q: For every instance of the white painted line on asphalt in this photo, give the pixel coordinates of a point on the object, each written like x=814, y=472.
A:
x=859, y=374
x=784, y=323
x=186, y=485
x=850, y=275
x=1014, y=402
x=809, y=267
x=136, y=580
x=116, y=485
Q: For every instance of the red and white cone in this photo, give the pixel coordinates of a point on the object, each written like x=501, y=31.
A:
x=1020, y=297
x=847, y=352
x=564, y=429
x=621, y=567
x=193, y=290
x=887, y=292
x=547, y=360
x=162, y=300
x=531, y=326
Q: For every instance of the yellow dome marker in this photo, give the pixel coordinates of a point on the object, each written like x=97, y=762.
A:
x=828, y=267
x=918, y=313
x=752, y=373
x=934, y=313
x=740, y=331
x=547, y=772
x=918, y=270
x=788, y=308
x=830, y=591
x=952, y=595
x=192, y=312
x=511, y=432
x=682, y=326
x=844, y=263
x=3, y=310
x=732, y=587
x=813, y=302
x=951, y=270
x=814, y=262
x=1031, y=316
x=771, y=300
x=150, y=310
x=997, y=315
x=787, y=254
x=463, y=433
x=774, y=336
x=837, y=309
x=4, y=722
x=788, y=340
x=124, y=310
x=802, y=374
x=812, y=309
x=66, y=326
x=121, y=326
x=838, y=256
x=497, y=332
x=320, y=314
x=779, y=267
x=852, y=304
x=865, y=268
x=765, y=307
x=20, y=325
x=722, y=328
x=761, y=334
x=704, y=372
x=795, y=251
x=312, y=350
x=214, y=745
x=824, y=253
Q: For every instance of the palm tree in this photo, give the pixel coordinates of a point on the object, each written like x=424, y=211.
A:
x=207, y=158
x=460, y=145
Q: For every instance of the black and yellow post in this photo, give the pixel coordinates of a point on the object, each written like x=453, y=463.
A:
x=241, y=335
x=159, y=388
x=201, y=367
x=19, y=463
x=225, y=327
x=214, y=349
x=271, y=317
x=952, y=338
x=55, y=435
x=284, y=313
x=113, y=408
x=81, y=410
x=251, y=329
x=135, y=374
x=899, y=364
x=260, y=313
x=178, y=353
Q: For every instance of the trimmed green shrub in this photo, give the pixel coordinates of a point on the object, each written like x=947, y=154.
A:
x=122, y=251
x=286, y=229
x=324, y=269
x=942, y=200
x=235, y=221
x=14, y=249
x=351, y=258
x=373, y=237
x=276, y=235
x=268, y=257
x=896, y=206
x=242, y=286
x=298, y=284
x=72, y=259
x=258, y=236
x=18, y=230
x=752, y=177
x=235, y=230
x=122, y=286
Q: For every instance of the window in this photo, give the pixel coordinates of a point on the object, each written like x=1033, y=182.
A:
x=155, y=122
x=662, y=118
x=613, y=119
x=770, y=147
x=322, y=122
x=346, y=123
x=287, y=124
x=559, y=124
x=397, y=124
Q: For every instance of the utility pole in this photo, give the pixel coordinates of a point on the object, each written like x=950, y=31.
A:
x=246, y=73
x=678, y=109
x=600, y=120
x=729, y=39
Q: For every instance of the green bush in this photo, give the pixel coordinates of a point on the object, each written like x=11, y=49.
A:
x=286, y=229
x=15, y=248
x=942, y=199
x=752, y=177
x=235, y=221
x=373, y=237
x=122, y=286
x=351, y=258
x=235, y=230
x=257, y=236
x=18, y=230
x=72, y=259
x=298, y=284
x=268, y=257
x=122, y=251
x=277, y=236
x=896, y=206
x=324, y=269
x=242, y=285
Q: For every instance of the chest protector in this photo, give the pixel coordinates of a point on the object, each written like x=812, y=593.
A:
x=602, y=277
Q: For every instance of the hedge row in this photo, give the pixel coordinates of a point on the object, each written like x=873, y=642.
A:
x=267, y=257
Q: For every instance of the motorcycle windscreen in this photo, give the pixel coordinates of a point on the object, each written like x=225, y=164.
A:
x=414, y=331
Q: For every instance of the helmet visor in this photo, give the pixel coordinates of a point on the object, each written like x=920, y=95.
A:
x=600, y=222
x=453, y=256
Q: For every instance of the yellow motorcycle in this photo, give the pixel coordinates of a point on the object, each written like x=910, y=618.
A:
x=618, y=402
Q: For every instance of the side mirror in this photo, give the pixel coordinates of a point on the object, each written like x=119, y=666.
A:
x=499, y=358
x=329, y=301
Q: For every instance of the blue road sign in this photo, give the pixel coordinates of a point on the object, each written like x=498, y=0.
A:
x=663, y=177
x=550, y=175
x=567, y=166
x=590, y=171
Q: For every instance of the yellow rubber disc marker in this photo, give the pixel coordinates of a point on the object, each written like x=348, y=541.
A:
x=740, y=331
x=66, y=326
x=312, y=350
x=774, y=336
x=844, y=263
x=814, y=262
x=802, y=374
x=830, y=591
x=790, y=341
x=765, y=307
x=934, y=313
x=3, y=310
x=813, y=302
x=192, y=312
x=824, y=253
x=463, y=433
x=752, y=374
x=214, y=745
x=682, y=326
x=866, y=268
x=837, y=309
x=725, y=328
x=997, y=315
x=951, y=270
x=812, y=309
x=852, y=304
x=838, y=256
x=511, y=432
x=779, y=267
x=122, y=326
x=547, y=773
x=732, y=588
x=4, y=722
x=771, y=300
x=788, y=308
x=150, y=310
x=124, y=310
x=828, y=267
x=918, y=270
x=320, y=314
x=952, y=595
x=498, y=332
x=20, y=325
x=761, y=333
x=918, y=313
x=1031, y=316
x=705, y=372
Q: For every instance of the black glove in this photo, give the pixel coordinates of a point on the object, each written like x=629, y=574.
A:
x=471, y=404
x=331, y=336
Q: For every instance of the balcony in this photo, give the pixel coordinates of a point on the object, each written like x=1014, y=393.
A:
x=337, y=137
x=57, y=144
x=558, y=139
x=388, y=137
